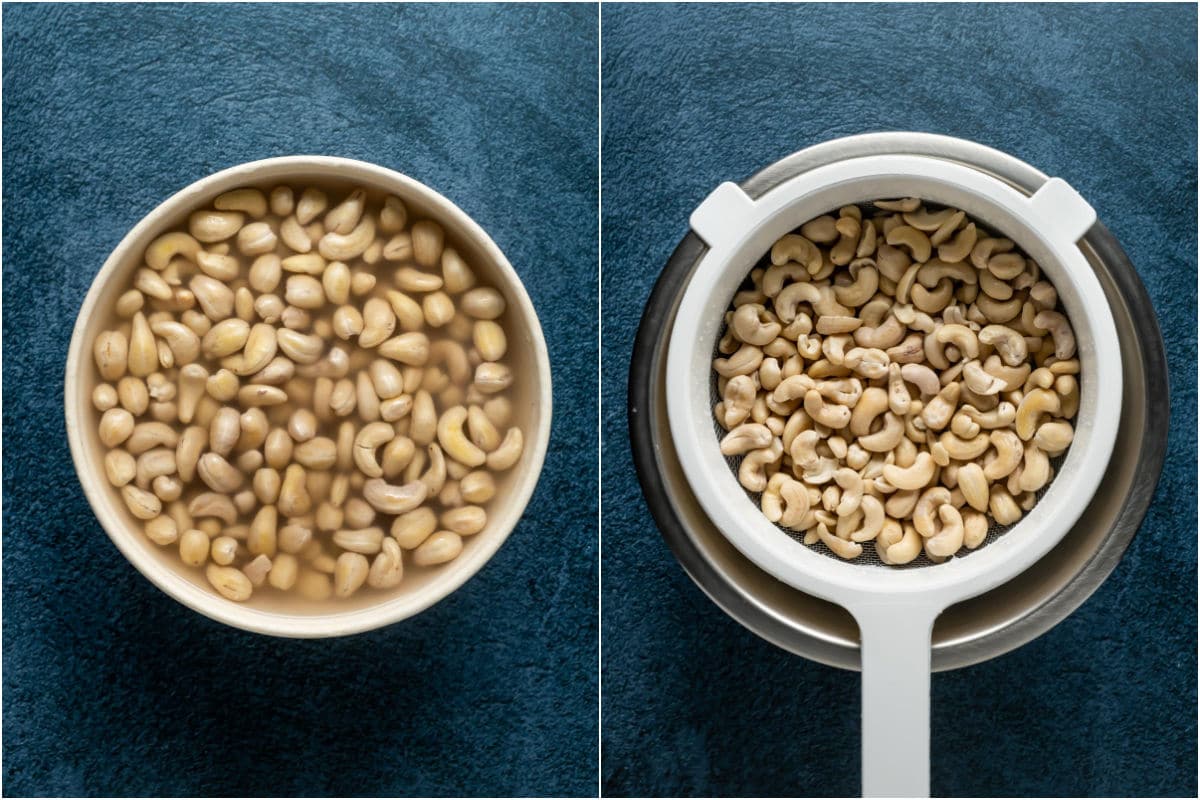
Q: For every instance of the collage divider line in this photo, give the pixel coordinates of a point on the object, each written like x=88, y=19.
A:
x=599, y=399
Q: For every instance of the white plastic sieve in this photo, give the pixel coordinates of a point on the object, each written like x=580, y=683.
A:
x=894, y=609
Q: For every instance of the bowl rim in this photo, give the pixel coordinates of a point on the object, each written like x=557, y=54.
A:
x=100, y=494
x=734, y=225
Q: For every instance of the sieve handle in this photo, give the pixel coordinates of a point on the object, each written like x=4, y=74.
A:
x=724, y=215
x=895, y=698
x=1057, y=206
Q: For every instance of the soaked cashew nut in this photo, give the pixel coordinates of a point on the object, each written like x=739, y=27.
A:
x=746, y=360
x=899, y=400
x=792, y=388
x=214, y=226
x=872, y=403
x=506, y=455
x=822, y=230
x=390, y=499
x=872, y=520
x=980, y=381
x=368, y=440
x=378, y=323
x=249, y=200
x=454, y=440
x=933, y=272
x=211, y=504
x=183, y=341
x=933, y=300
x=949, y=538
x=961, y=337
x=299, y=347
x=1009, y=452
x=886, y=438
x=1009, y=344
x=787, y=302
x=937, y=412
x=752, y=472
x=840, y=547
x=828, y=414
x=1053, y=437
x=921, y=376
x=975, y=529
x=927, y=506
x=904, y=549
x=917, y=243
x=1035, y=403
x=871, y=363
x=744, y=438
x=866, y=281
x=844, y=392
x=796, y=504
x=851, y=484
x=886, y=336
x=803, y=449
x=1035, y=468
x=163, y=250
x=346, y=247
x=1060, y=329
x=964, y=449
x=796, y=248
x=773, y=280
x=1003, y=507
x=974, y=485
x=752, y=325
x=771, y=501
x=915, y=476
x=997, y=311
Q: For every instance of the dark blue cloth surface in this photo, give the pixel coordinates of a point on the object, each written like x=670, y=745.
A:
x=111, y=687
x=1105, y=703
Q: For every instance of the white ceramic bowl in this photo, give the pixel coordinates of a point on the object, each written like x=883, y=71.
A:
x=270, y=612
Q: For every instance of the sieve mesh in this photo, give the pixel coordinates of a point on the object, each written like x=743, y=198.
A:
x=868, y=557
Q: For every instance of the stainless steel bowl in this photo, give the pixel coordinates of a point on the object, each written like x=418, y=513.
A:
x=982, y=627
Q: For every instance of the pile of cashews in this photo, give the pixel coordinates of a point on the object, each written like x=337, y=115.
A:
x=289, y=421
x=903, y=379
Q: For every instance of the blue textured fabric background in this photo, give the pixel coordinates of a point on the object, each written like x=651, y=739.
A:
x=1104, y=704
x=111, y=687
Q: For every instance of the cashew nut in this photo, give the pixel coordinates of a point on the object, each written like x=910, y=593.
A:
x=1035, y=403
x=752, y=325
x=1009, y=451
x=828, y=414
x=345, y=247
x=916, y=476
x=840, y=547
x=1060, y=329
x=921, y=376
x=390, y=499
x=796, y=248
x=454, y=440
x=915, y=241
x=980, y=381
x=949, y=538
x=752, y=472
x=1054, y=437
x=886, y=438
x=744, y=438
x=746, y=360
